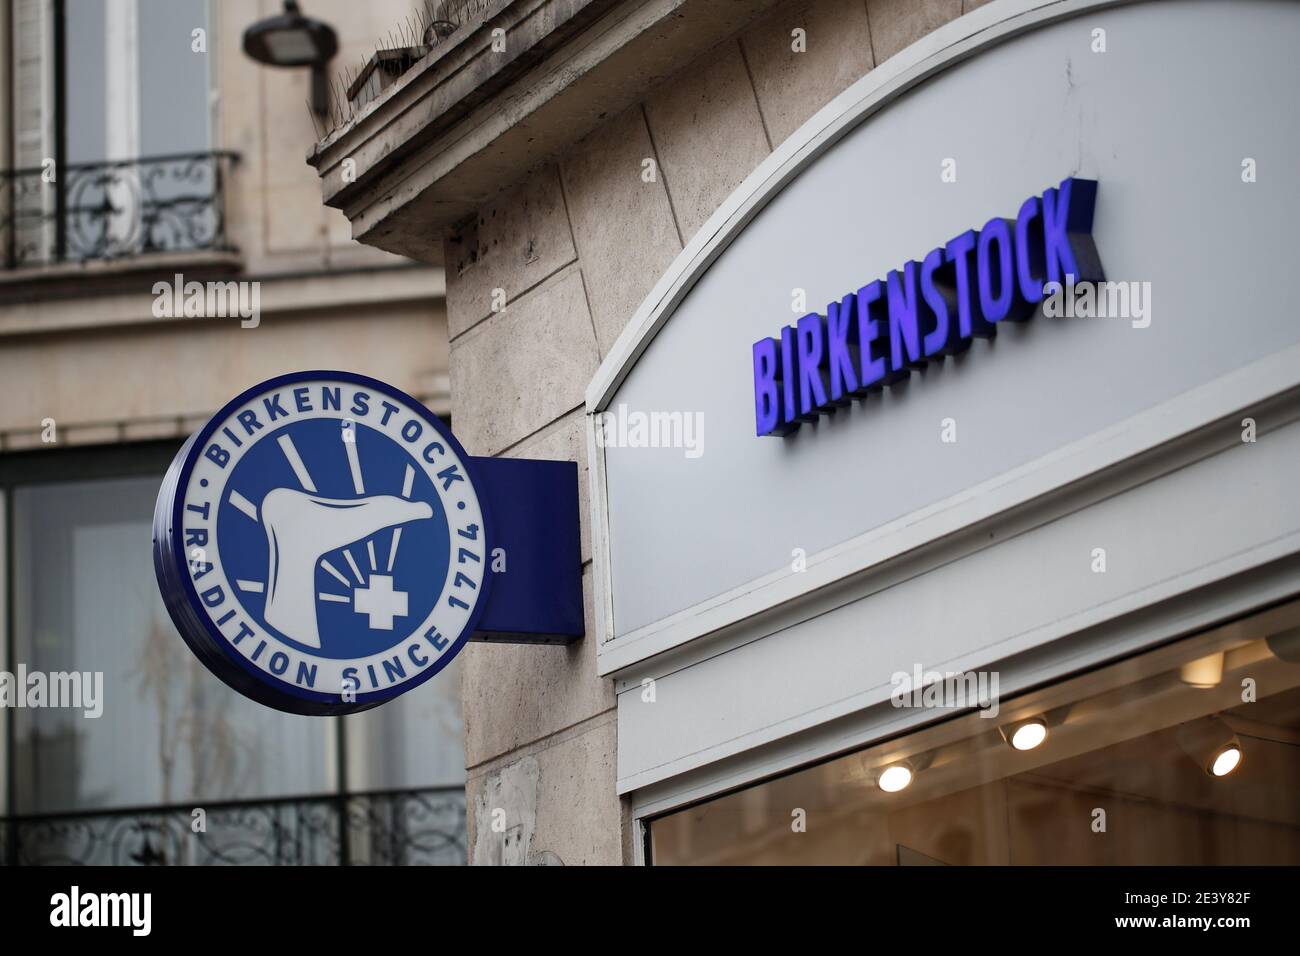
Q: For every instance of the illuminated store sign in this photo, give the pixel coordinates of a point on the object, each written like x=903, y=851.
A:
x=877, y=335
x=324, y=544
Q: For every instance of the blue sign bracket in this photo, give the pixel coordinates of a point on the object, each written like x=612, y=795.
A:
x=535, y=557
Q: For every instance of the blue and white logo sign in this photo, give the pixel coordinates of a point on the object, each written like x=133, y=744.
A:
x=321, y=544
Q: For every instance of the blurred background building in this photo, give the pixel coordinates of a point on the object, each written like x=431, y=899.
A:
x=139, y=143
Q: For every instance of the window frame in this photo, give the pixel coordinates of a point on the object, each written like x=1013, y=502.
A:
x=1142, y=630
x=49, y=220
x=26, y=468
x=89, y=463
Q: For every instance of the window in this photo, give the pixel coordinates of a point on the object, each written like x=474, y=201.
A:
x=1162, y=759
x=113, y=131
x=384, y=786
x=85, y=600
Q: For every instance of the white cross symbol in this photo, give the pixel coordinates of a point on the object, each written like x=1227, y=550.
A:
x=380, y=602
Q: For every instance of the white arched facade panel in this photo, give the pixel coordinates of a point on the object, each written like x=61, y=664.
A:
x=1017, y=95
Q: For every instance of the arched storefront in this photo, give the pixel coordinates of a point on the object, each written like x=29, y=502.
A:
x=673, y=234
x=1062, y=492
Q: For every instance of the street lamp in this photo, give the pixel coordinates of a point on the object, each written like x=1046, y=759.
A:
x=292, y=40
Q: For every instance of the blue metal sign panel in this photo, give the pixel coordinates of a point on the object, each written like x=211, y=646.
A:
x=536, y=559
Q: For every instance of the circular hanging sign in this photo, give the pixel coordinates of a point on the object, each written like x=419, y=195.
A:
x=320, y=543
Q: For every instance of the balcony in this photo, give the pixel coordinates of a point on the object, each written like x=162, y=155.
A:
x=390, y=827
x=116, y=210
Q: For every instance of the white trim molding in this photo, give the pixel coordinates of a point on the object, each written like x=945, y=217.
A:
x=1137, y=446
x=700, y=776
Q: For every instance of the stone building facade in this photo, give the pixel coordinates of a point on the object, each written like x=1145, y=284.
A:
x=558, y=178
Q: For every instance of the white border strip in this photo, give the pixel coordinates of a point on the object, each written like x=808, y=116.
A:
x=1236, y=392
x=1193, y=612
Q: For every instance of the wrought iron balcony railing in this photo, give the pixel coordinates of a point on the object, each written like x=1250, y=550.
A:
x=115, y=210
x=392, y=827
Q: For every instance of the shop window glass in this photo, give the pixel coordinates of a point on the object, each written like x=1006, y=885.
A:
x=1186, y=755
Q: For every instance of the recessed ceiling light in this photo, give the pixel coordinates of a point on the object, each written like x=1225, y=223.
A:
x=1204, y=672
x=1213, y=746
x=895, y=777
x=1028, y=735
x=1226, y=760
x=1285, y=645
